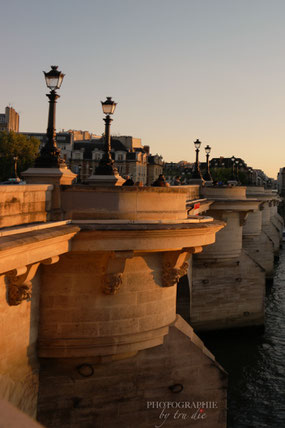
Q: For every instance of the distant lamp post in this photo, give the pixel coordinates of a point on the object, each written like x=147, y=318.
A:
x=249, y=176
x=208, y=176
x=197, y=173
x=106, y=164
x=50, y=154
x=15, y=158
x=237, y=171
x=233, y=159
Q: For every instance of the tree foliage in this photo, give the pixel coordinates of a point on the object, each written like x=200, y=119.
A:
x=226, y=174
x=11, y=145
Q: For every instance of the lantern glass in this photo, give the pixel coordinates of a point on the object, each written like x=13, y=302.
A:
x=233, y=158
x=54, y=78
x=108, y=106
x=197, y=144
x=208, y=149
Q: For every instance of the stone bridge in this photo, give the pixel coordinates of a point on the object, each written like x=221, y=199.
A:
x=88, y=280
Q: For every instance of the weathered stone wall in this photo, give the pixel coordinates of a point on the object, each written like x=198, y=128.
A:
x=77, y=317
x=123, y=393
x=261, y=249
x=228, y=293
x=257, y=243
x=268, y=227
x=18, y=363
x=24, y=204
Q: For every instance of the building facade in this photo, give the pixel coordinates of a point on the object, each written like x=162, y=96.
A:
x=82, y=152
x=9, y=121
x=130, y=158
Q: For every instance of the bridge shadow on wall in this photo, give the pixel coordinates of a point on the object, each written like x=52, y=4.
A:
x=183, y=298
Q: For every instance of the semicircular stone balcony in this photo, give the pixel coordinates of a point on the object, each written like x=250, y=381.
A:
x=114, y=292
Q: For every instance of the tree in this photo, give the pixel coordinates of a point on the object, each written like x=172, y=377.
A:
x=11, y=145
x=226, y=174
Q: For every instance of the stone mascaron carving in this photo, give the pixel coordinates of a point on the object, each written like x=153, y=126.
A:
x=113, y=278
x=175, y=265
x=19, y=281
x=171, y=276
x=19, y=284
x=112, y=283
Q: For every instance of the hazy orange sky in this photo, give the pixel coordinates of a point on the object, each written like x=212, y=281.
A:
x=179, y=70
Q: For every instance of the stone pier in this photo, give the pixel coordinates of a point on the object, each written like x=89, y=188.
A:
x=227, y=285
x=263, y=229
x=272, y=224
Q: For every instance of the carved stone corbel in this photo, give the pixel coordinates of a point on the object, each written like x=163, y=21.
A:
x=19, y=284
x=19, y=281
x=175, y=265
x=242, y=217
x=113, y=278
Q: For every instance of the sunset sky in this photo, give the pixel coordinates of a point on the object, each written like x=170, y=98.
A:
x=179, y=70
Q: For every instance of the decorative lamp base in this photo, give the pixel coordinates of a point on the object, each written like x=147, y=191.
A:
x=61, y=175
x=106, y=180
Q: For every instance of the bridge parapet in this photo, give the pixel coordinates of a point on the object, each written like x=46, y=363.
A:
x=22, y=204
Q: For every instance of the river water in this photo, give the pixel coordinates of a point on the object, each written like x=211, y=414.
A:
x=255, y=361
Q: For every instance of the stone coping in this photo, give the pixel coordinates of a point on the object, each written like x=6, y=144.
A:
x=30, y=227
x=35, y=236
x=20, y=188
x=196, y=201
x=233, y=200
x=125, y=189
x=150, y=226
x=263, y=196
x=190, y=220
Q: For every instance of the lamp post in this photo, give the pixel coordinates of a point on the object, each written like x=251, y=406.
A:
x=15, y=167
x=237, y=165
x=233, y=167
x=197, y=173
x=250, y=176
x=106, y=164
x=50, y=154
x=208, y=176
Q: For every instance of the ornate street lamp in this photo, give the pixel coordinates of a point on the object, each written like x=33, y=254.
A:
x=106, y=164
x=197, y=173
x=50, y=154
x=208, y=176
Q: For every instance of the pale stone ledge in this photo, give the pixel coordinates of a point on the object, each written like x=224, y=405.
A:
x=31, y=227
x=11, y=417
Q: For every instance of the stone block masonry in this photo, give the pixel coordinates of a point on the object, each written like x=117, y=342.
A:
x=18, y=364
x=227, y=294
x=85, y=392
x=24, y=204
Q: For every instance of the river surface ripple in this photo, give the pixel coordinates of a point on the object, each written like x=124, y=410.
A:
x=255, y=362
